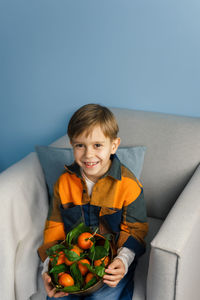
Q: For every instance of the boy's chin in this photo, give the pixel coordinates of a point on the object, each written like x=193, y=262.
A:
x=90, y=172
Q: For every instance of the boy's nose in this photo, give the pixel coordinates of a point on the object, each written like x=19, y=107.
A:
x=88, y=152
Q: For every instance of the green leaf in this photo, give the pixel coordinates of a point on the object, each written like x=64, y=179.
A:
x=76, y=274
x=108, y=236
x=54, y=259
x=83, y=255
x=90, y=283
x=107, y=246
x=71, y=255
x=55, y=249
x=54, y=277
x=59, y=268
x=92, y=252
x=68, y=289
x=100, y=252
x=97, y=253
x=100, y=271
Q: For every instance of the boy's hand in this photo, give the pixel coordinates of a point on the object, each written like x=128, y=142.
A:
x=115, y=272
x=51, y=291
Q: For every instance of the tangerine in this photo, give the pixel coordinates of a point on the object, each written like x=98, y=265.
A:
x=66, y=280
x=99, y=262
x=61, y=259
x=88, y=277
x=77, y=247
x=69, y=262
x=83, y=269
x=84, y=241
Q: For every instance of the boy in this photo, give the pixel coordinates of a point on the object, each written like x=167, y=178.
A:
x=98, y=189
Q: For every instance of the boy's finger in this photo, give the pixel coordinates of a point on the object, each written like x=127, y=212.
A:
x=51, y=293
x=112, y=277
x=60, y=294
x=111, y=283
x=113, y=271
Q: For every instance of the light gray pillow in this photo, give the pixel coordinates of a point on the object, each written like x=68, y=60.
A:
x=132, y=158
x=53, y=159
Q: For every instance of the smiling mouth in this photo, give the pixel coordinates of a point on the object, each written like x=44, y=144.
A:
x=90, y=164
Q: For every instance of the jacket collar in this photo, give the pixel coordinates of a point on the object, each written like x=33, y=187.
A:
x=114, y=170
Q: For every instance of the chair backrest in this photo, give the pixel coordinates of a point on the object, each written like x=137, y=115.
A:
x=173, y=153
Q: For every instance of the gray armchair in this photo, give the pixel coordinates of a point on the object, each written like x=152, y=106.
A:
x=170, y=268
x=171, y=177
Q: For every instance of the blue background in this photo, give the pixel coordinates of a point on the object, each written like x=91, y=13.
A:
x=58, y=55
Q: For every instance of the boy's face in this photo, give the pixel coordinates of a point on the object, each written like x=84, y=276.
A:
x=92, y=152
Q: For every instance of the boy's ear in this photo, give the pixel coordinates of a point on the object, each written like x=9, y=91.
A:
x=115, y=145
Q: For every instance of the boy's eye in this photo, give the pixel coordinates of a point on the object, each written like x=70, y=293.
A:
x=78, y=145
x=98, y=145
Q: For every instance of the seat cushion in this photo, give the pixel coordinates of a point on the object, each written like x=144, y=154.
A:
x=140, y=277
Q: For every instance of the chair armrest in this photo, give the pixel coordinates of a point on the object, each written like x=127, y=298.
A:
x=24, y=205
x=174, y=260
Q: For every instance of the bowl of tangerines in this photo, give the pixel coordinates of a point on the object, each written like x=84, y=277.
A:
x=77, y=265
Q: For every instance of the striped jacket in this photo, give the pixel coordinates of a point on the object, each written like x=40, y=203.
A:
x=116, y=205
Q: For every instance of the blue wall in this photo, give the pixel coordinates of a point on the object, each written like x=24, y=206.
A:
x=58, y=55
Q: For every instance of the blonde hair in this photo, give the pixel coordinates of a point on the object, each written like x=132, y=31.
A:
x=89, y=116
